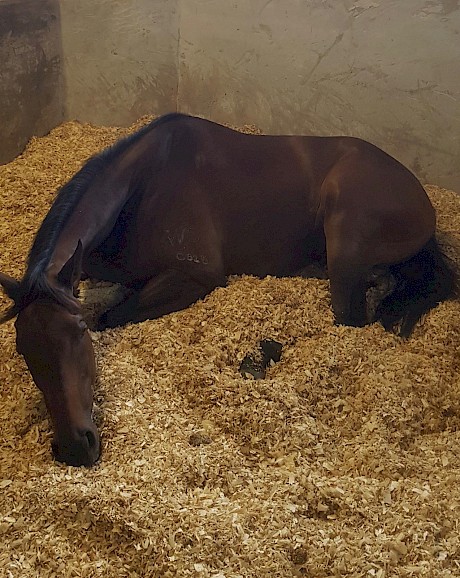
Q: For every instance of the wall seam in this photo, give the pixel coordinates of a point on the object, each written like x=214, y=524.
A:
x=178, y=47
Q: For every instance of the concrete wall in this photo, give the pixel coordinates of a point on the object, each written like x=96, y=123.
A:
x=387, y=71
x=120, y=58
x=384, y=70
x=31, y=92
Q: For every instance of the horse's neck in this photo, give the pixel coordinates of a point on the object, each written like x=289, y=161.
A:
x=93, y=217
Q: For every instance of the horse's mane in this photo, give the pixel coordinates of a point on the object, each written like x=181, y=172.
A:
x=35, y=284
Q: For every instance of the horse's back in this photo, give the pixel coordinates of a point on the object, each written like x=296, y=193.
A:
x=251, y=203
x=239, y=201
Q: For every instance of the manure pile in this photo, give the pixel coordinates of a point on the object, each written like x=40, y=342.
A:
x=344, y=461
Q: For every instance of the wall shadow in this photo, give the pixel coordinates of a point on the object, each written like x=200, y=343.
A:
x=31, y=72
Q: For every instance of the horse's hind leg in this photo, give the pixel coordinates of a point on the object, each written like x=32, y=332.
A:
x=348, y=271
x=348, y=294
x=171, y=290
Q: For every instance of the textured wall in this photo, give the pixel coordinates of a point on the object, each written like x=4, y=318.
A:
x=31, y=98
x=120, y=58
x=386, y=71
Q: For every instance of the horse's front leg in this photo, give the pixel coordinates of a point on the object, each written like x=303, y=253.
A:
x=171, y=290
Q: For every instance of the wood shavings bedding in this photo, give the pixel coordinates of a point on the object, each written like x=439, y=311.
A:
x=344, y=461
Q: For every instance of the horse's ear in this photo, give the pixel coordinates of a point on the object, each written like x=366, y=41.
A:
x=69, y=276
x=10, y=286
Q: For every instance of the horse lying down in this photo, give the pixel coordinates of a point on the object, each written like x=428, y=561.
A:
x=174, y=209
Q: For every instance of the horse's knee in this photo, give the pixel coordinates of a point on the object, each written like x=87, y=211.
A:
x=115, y=317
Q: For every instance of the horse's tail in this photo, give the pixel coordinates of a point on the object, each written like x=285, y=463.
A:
x=423, y=281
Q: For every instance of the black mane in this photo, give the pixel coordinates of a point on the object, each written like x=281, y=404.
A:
x=34, y=283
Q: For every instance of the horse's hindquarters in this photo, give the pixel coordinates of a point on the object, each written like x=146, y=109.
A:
x=377, y=215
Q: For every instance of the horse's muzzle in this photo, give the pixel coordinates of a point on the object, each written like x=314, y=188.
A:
x=80, y=449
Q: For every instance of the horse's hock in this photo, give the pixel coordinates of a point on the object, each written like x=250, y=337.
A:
x=343, y=461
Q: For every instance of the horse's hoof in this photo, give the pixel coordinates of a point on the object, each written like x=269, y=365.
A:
x=109, y=321
x=102, y=323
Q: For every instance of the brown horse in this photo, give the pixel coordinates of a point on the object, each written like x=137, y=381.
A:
x=175, y=208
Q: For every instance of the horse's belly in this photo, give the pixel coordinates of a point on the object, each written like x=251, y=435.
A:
x=223, y=228
x=273, y=250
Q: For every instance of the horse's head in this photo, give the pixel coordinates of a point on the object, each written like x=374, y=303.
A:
x=57, y=348
x=59, y=354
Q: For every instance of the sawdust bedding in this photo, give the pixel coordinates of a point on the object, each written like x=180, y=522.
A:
x=344, y=461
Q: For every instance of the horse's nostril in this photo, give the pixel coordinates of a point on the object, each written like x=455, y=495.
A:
x=91, y=438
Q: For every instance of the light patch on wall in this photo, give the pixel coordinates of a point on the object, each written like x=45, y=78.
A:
x=439, y=8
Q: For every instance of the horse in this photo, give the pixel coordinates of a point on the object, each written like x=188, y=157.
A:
x=174, y=209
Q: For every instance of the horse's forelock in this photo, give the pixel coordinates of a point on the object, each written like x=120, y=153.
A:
x=40, y=288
